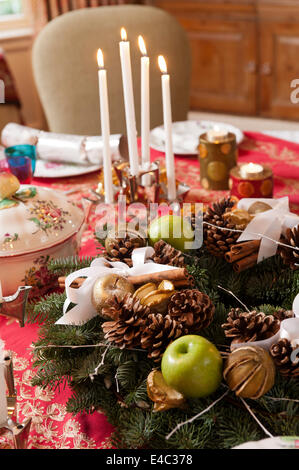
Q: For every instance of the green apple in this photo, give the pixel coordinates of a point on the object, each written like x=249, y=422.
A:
x=192, y=365
x=173, y=229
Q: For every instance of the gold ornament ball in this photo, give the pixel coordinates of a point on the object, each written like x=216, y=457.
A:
x=107, y=287
x=250, y=372
x=259, y=207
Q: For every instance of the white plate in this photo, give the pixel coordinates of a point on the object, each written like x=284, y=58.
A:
x=186, y=135
x=46, y=169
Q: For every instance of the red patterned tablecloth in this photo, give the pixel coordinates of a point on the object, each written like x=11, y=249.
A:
x=52, y=427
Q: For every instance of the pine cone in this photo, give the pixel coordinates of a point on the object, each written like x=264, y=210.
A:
x=121, y=247
x=281, y=353
x=290, y=257
x=131, y=316
x=159, y=332
x=244, y=327
x=166, y=254
x=282, y=314
x=191, y=308
x=219, y=242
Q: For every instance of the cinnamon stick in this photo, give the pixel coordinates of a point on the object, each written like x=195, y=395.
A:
x=75, y=285
x=245, y=263
x=242, y=250
x=173, y=275
x=179, y=277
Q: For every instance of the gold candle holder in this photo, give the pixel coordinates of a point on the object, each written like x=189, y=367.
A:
x=218, y=154
x=20, y=431
x=132, y=186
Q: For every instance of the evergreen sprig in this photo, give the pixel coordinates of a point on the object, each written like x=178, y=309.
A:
x=66, y=266
x=119, y=388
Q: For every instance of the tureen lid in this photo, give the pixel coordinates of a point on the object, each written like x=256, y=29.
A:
x=36, y=218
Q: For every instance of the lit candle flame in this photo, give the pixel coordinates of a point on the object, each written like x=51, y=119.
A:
x=100, y=59
x=123, y=33
x=253, y=168
x=162, y=64
x=142, y=46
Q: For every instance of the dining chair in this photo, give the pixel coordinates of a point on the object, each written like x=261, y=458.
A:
x=65, y=66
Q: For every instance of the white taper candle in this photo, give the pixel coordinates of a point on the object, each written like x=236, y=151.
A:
x=105, y=121
x=145, y=109
x=167, y=112
x=125, y=56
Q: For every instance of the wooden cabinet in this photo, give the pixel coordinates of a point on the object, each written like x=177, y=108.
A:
x=279, y=53
x=245, y=54
x=224, y=66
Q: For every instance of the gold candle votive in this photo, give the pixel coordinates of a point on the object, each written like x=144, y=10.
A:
x=218, y=154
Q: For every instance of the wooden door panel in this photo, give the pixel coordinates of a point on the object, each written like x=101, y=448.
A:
x=223, y=39
x=224, y=67
x=279, y=67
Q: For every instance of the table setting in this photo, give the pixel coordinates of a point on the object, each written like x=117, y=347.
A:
x=148, y=285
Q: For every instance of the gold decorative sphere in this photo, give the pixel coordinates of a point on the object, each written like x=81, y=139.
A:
x=107, y=287
x=250, y=372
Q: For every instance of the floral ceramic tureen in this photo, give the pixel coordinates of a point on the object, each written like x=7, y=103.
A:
x=36, y=224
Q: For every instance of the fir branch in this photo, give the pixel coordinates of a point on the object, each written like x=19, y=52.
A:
x=47, y=309
x=266, y=286
x=66, y=266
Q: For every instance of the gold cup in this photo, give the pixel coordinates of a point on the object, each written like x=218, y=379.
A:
x=216, y=159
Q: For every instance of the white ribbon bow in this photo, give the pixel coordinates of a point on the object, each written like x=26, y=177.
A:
x=82, y=297
x=289, y=329
x=268, y=226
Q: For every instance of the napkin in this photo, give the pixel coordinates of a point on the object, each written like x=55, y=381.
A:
x=63, y=148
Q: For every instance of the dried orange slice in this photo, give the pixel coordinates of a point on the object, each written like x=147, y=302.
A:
x=143, y=291
x=158, y=300
x=166, y=286
x=161, y=394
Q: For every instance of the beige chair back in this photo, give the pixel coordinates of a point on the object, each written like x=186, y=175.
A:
x=65, y=66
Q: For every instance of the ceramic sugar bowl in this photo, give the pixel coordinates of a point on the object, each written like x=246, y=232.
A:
x=36, y=225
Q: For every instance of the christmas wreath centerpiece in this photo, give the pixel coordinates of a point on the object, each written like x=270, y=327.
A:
x=167, y=353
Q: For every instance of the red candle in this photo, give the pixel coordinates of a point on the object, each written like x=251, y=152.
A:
x=251, y=180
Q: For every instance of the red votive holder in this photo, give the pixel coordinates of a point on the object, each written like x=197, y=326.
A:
x=251, y=180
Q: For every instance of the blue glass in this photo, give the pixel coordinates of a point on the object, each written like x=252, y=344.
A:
x=23, y=151
x=21, y=167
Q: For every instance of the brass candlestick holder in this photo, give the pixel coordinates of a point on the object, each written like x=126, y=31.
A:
x=14, y=306
x=130, y=184
x=134, y=190
x=19, y=431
